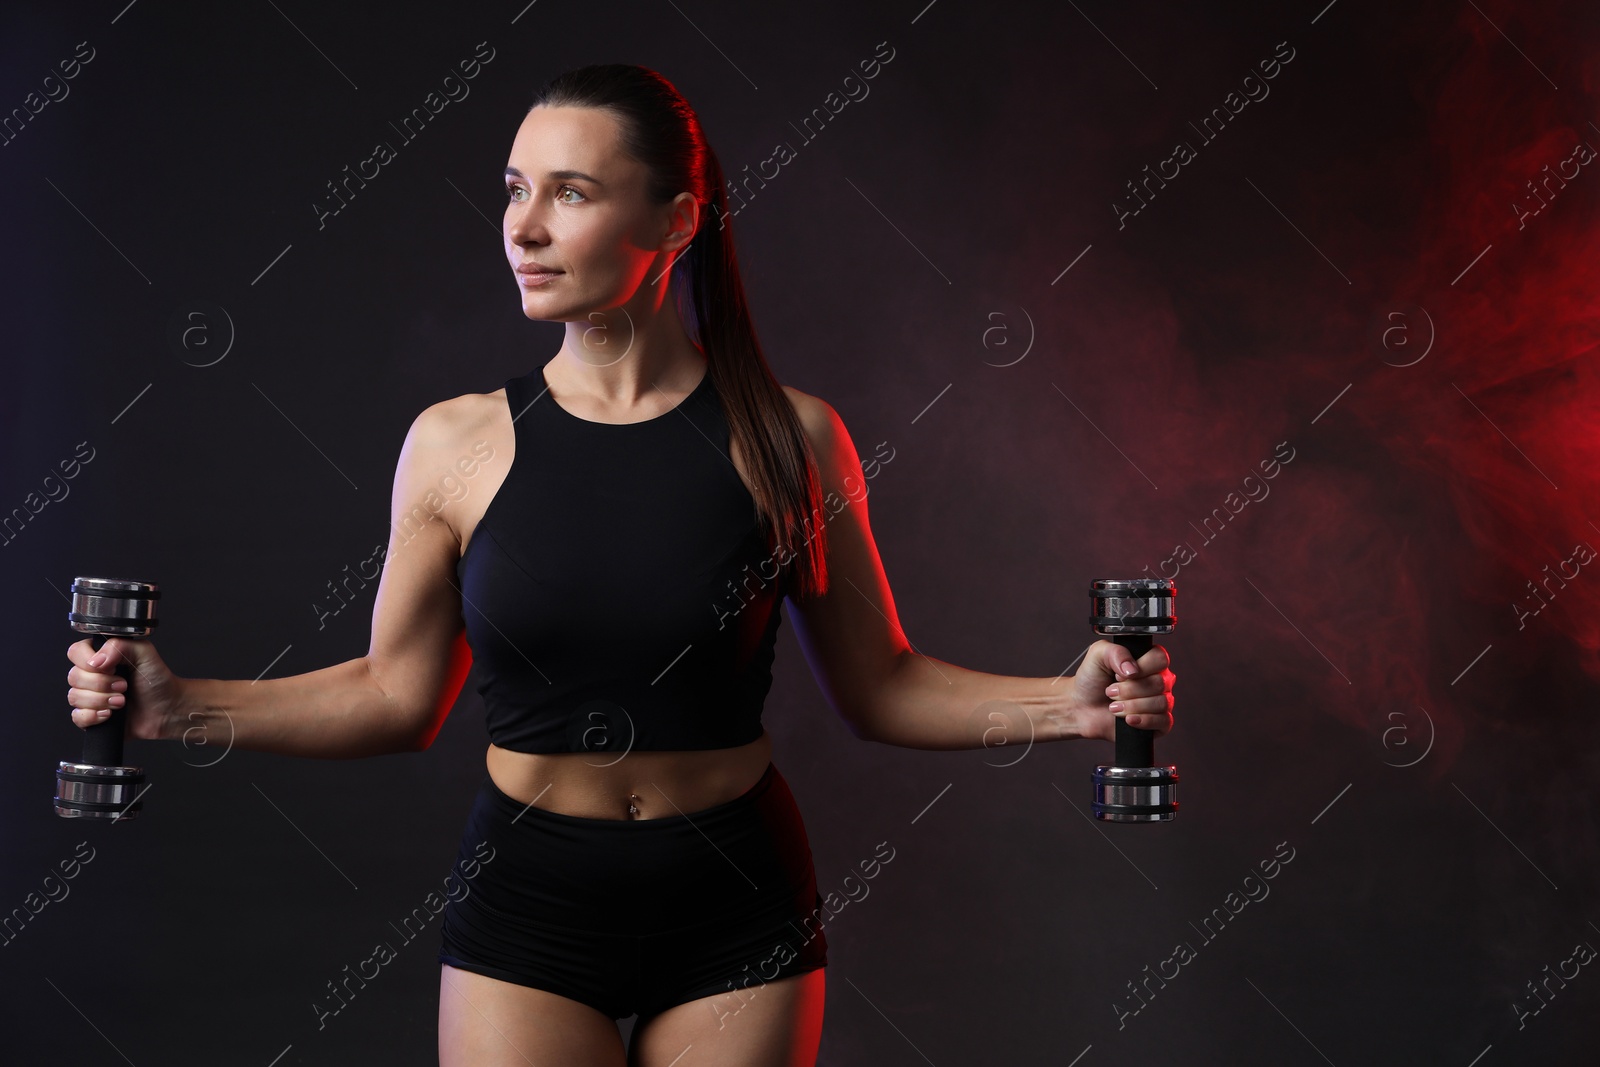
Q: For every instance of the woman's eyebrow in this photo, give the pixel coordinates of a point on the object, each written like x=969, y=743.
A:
x=513, y=172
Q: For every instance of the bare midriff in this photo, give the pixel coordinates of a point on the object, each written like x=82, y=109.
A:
x=637, y=785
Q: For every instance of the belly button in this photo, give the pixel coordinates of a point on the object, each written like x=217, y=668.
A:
x=632, y=808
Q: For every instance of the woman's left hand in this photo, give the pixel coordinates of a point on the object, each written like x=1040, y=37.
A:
x=1104, y=691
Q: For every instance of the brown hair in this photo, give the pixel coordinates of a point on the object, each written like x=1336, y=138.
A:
x=662, y=131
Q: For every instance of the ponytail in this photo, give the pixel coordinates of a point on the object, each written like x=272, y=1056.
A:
x=760, y=417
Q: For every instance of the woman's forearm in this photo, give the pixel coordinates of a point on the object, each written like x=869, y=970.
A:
x=338, y=712
x=928, y=703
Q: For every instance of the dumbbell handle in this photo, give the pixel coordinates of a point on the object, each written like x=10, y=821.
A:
x=1135, y=747
x=102, y=742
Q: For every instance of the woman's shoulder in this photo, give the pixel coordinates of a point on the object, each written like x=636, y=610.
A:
x=446, y=426
x=817, y=417
x=464, y=413
x=815, y=413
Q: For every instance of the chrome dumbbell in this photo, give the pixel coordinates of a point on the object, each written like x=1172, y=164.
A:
x=1130, y=612
x=99, y=786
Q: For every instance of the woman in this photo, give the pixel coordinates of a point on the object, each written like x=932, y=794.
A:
x=634, y=512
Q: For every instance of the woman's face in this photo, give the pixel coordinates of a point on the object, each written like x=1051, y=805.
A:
x=576, y=204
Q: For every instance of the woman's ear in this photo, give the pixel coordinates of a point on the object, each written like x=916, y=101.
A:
x=683, y=224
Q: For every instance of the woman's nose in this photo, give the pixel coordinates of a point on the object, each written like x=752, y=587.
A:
x=526, y=225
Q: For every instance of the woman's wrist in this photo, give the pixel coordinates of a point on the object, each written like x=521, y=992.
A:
x=183, y=711
x=1060, y=718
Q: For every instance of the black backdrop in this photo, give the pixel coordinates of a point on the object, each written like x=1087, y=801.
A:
x=1347, y=267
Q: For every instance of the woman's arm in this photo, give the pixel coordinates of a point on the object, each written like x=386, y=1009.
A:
x=888, y=692
x=928, y=703
x=395, y=698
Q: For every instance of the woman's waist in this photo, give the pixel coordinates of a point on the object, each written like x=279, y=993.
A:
x=630, y=785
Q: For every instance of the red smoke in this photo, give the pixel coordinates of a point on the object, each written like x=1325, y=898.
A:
x=1501, y=420
x=1517, y=332
x=1402, y=537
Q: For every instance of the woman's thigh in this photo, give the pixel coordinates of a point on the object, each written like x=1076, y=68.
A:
x=770, y=1024
x=484, y=1022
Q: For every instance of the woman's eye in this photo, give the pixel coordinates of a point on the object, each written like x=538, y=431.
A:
x=513, y=190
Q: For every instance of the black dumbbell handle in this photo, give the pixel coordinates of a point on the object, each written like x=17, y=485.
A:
x=1135, y=747
x=102, y=742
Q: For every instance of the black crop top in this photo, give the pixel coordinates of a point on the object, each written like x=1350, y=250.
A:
x=618, y=593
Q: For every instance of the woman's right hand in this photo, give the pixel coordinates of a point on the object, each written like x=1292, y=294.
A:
x=1103, y=691
x=152, y=695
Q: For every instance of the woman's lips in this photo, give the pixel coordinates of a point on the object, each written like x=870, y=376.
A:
x=530, y=279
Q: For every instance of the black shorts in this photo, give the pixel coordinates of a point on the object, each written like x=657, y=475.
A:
x=632, y=916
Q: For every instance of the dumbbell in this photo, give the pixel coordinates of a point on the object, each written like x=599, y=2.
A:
x=99, y=786
x=1134, y=789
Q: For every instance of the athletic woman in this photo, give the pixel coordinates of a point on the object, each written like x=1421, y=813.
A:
x=608, y=539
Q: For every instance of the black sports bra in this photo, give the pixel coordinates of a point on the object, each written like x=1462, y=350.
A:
x=618, y=593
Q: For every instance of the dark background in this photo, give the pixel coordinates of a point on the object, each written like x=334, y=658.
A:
x=1356, y=680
